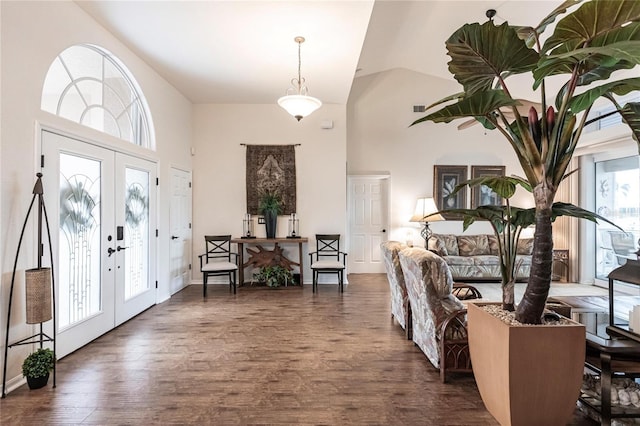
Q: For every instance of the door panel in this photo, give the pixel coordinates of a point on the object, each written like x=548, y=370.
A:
x=367, y=223
x=135, y=236
x=180, y=220
x=77, y=178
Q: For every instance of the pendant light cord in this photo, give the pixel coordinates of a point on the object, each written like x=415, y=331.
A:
x=299, y=68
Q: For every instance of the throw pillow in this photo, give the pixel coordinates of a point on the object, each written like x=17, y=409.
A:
x=451, y=244
x=473, y=245
x=494, y=249
x=525, y=246
x=437, y=246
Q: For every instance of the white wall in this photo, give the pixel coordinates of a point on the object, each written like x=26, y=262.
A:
x=33, y=34
x=219, y=191
x=379, y=113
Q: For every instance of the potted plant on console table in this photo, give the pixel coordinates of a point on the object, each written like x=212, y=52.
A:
x=270, y=206
x=593, y=40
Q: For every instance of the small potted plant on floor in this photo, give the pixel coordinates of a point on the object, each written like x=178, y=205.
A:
x=36, y=367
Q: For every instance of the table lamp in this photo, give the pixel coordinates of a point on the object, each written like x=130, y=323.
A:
x=424, y=207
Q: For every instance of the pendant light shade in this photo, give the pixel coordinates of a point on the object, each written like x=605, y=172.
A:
x=299, y=106
x=297, y=102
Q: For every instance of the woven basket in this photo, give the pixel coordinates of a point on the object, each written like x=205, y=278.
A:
x=38, y=285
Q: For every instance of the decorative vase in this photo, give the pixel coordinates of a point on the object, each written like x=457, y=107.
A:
x=526, y=375
x=270, y=223
x=37, y=382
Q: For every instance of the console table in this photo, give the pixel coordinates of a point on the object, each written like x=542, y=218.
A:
x=255, y=241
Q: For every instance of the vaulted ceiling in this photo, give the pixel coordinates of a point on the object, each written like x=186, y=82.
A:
x=244, y=51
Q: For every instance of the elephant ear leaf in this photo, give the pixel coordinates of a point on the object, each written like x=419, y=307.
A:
x=528, y=34
x=631, y=115
x=621, y=87
x=597, y=35
x=504, y=186
x=480, y=53
x=593, y=19
x=567, y=209
x=478, y=105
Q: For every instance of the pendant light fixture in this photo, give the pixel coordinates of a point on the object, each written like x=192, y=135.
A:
x=297, y=102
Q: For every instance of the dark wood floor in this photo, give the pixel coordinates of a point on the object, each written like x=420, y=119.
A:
x=263, y=356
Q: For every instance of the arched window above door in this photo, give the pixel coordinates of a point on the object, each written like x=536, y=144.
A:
x=88, y=85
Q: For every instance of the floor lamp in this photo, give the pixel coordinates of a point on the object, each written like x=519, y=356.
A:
x=40, y=287
x=425, y=207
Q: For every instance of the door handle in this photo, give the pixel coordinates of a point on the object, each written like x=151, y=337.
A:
x=110, y=251
x=173, y=237
x=384, y=230
x=121, y=248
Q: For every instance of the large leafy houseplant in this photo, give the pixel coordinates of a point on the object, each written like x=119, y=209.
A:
x=588, y=44
x=507, y=222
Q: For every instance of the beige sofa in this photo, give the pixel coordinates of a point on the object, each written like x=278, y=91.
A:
x=475, y=257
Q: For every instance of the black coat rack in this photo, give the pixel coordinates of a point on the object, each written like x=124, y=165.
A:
x=40, y=337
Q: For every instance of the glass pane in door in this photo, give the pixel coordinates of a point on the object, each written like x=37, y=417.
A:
x=136, y=235
x=79, y=241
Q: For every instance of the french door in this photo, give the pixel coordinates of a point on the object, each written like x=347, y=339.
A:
x=101, y=208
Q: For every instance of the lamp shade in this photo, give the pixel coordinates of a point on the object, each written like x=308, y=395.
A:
x=38, y=294
x=424, y=207
x=299, y=106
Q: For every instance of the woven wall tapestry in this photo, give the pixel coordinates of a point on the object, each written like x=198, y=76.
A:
x=271, y=168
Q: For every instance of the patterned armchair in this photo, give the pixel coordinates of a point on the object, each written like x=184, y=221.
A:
x=400, y=308
x=439, y=318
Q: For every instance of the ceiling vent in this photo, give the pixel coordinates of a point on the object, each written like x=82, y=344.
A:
x=419, y=108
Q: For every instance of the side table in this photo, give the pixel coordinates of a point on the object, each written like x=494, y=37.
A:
x=607, y=357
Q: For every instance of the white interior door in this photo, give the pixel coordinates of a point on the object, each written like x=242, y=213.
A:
x=180, y=221
x=368, y=201
x=86, y=197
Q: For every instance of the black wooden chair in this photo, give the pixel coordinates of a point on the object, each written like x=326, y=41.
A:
x=328, y=259
x=217, y=261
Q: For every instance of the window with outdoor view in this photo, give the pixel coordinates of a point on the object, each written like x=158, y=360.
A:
x=617, y=196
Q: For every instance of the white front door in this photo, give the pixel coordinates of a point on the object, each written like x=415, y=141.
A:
x=180, y=221
x=135, y=201
x=368, y=200
x=102, y=216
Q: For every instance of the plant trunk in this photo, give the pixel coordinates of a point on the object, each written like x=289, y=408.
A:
x=507, y=295
x=533, y=302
